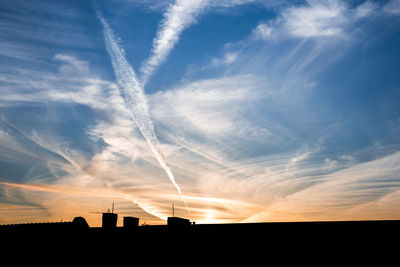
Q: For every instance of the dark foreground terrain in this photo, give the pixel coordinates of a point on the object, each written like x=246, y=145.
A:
x=346, y=243
x=269, y=239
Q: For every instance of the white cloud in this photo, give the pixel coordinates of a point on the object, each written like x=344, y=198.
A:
x=207, y=106
x=228, y=58
x=81, y=67
x=13, y=148
x=392, y=7
x=135, y=99
x=179, y=16
x=263, y=31
x=205, y=126
x=346, y=157
x=235, y=189
x=345, y=189
x=315, y=19
x=163, y=4
x=229, y=3
x=365, y=9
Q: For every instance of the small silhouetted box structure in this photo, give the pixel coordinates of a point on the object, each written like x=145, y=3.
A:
x=131, y=223
x=109, y=220
x=178, y=222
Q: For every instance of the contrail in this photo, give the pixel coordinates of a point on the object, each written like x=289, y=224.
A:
x=134, y=97
x=179, y=16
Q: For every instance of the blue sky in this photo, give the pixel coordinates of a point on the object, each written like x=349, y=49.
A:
x=247, y=110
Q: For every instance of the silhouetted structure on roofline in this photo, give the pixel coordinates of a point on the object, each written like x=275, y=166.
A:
x=178, y=222
x=181, y=232
x=78, y=224
x=109, y=223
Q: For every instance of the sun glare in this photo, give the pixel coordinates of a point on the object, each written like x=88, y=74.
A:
x=208, y=217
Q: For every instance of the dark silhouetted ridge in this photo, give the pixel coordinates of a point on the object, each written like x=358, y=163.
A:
x=180, y=235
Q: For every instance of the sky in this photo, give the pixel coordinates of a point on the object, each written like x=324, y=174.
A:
x=232, y=110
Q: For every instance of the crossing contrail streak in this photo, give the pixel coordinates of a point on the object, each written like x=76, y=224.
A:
x=135, y=98
x=180, y=15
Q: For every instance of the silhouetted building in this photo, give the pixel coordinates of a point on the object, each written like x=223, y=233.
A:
x=131, y=223
x=178, y=222
x=78, y=224
x=109, y=220
x=303, y=238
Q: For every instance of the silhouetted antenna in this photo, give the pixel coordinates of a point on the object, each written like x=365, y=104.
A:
x=173, y=210
x=108, y=210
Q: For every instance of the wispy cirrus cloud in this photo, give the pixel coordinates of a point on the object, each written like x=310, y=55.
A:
x=365, y=9
x=363, y=184
x=135, y=99
x=218, y=174
x=314, y=19
x=179, y=16
x=254, y=141
x=392, y=7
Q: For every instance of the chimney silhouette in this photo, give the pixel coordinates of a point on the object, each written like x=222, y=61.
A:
x=109, y=220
